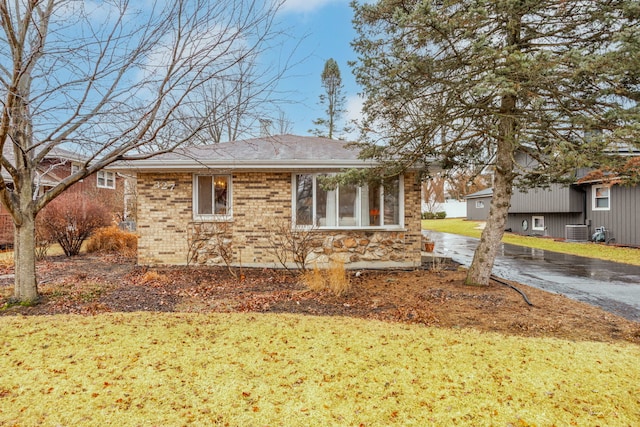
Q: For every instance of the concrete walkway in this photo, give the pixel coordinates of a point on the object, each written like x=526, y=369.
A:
x=611, y=286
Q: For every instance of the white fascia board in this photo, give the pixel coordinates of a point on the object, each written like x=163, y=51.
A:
x=157, y=165
x=188, y=165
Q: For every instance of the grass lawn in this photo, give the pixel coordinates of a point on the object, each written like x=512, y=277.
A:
x=255, y=370
x=591, y=250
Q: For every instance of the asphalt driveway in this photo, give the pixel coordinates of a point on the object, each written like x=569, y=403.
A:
x=612, y=286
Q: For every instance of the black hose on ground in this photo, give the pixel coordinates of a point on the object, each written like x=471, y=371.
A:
x=500, y=281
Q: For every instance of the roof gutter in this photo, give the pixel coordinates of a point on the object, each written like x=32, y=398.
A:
x=188, y=165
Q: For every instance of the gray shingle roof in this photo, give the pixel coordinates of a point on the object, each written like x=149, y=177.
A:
x=482, y=193
x=272, y=152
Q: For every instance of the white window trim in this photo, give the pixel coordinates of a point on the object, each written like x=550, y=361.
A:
x=479, y=204
x=76, y=168
x=533, y=223
x=104, y=175
x=594, y=198
x=212, y=217
x=358, y=208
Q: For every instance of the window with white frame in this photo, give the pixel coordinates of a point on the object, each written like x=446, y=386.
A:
x=479, y=204
x=346, y=206
x=212, y=197
x=537, y=223
x=106, y=179
x=75, y=168
x=601, y=198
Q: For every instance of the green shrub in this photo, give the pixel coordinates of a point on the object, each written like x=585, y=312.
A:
x=432, y=215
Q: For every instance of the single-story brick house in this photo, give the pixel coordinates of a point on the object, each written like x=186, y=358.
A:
x=245, y=190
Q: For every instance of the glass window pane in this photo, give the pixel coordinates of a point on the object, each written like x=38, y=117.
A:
x=204, y=195
x=538, y=223
x=221, y=187
x=392, y=202
x=602, y=192
x=374, y=204
x=325, y=207
x=347, y=205
x=304, y=199
x=602, y=203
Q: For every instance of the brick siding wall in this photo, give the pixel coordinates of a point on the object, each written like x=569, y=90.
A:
x=169, y=235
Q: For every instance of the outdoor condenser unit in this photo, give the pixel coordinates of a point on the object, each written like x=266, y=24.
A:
x=576, y=233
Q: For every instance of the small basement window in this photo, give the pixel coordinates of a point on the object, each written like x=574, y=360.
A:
x=537, y=223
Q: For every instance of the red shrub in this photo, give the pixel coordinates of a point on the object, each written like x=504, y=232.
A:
x=70, y=219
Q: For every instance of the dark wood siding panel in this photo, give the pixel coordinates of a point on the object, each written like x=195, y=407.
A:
x=623, y=217
x=577, y=199
x=555, y=223
x=556, y=198
x=478, y=214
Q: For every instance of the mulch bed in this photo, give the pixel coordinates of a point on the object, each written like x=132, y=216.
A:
x=91, y=284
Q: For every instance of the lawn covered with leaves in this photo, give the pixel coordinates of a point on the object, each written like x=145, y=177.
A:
x=244, y=369
x=588, y=249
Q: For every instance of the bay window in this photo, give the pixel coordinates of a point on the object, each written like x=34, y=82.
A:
x=346, y=206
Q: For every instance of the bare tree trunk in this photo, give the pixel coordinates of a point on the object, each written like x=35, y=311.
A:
x=484, y=257
x=482, y=265
x=25, y=286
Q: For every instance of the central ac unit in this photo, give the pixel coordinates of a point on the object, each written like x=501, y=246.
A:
x=576, y=233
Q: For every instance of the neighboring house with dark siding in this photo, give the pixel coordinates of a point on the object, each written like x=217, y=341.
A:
x=573, y=212
x=478, y=204
x=546, y=211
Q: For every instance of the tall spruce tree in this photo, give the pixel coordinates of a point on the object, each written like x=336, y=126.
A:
x=333, y=100
x=476, y=82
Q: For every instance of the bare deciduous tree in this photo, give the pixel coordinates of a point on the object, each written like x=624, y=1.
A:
x=233, y=104
x=106, y=81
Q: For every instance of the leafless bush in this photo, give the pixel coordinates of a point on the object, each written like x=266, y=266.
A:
x=212, y=239
x=291, y=243
x=70, y=219
x=43, y=242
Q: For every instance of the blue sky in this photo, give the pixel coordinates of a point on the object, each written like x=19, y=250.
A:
x=325, y=30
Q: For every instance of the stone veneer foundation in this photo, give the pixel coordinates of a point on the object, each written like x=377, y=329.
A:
x=169, y=235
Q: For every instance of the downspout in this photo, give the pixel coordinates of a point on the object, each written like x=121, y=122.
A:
x=585, y=221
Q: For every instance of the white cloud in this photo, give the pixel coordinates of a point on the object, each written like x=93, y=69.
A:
x=354, y=112
x=354, y=108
